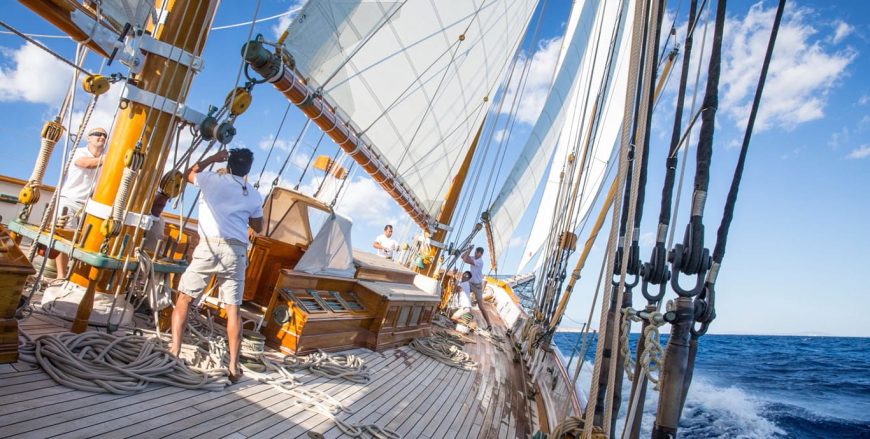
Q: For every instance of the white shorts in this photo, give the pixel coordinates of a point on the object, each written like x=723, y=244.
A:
x=74, y=209
x=224, y=259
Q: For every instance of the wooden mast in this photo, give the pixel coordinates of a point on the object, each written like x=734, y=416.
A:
x=186, y=27
x=448, y=207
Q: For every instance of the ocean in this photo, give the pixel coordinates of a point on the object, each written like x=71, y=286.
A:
x=754, y=386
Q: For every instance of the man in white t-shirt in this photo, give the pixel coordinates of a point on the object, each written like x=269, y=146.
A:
x=476, y=282
x=228, y=205
x=463, y=294
x=386, y=245
x=77, y=185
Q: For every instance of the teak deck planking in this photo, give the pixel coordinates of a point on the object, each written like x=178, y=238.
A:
x=410, y=393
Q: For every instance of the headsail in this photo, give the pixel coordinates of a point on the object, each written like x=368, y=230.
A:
x=518, y=190
x=576, y=125
x=378, y=63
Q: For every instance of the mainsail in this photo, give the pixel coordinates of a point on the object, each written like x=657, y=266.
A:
x=576, y=125
x=379, y=63
x=519, y=187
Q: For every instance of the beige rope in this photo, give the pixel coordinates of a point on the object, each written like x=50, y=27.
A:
x=444, y=350
x=634, y=61
x=100, y=362
x=346, y=366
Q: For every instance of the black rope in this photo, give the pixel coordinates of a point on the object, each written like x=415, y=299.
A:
x=272, y=148
x=310, y=159
x=290, y=154
x=728, y=215
x=656, y=270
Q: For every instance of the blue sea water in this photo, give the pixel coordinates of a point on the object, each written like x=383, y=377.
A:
x=748, y=386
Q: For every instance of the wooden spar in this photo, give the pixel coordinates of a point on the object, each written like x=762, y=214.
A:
x=58, y=13
x=599, y=222
x=563, y=302
x=271, y=67
x=450, y=203
x=186, y=27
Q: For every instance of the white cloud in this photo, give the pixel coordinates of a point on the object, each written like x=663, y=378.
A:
x=842, y=30
x=864, y=100
x=35, y=76
x=839, y=138
x=802, y=71
x=363, y=200
x=861, y=152
x=499, y=135
x=279, y=27
x=537, y=84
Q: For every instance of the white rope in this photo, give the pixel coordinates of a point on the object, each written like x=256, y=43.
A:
x=636, y=46
x=100, y=362
x=346, y=366
x=628, y=316
x=444, y=349
x=652, y=357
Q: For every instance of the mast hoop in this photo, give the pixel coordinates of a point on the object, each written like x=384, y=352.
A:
x=166, y=105
x=103, y=211
x=152, y=45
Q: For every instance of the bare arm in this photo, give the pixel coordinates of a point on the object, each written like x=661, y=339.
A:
x=377, y=245
x=256, y=224
x=466, y=256
x=88, y=162
x=220, y=156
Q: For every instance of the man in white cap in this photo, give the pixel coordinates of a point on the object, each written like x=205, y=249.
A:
x=78, y=184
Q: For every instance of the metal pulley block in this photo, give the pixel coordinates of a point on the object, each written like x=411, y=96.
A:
x=96, y=84
x=225, y=132
x=238, y=100
x=207, y=128
x=171, y=182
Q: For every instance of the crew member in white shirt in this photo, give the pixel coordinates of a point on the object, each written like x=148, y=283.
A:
x=228, y=205
x=463, y=293
x=78, y=183
x=476, y=282
x=386, y=245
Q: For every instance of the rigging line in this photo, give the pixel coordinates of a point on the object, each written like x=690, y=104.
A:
x=731, y=200
x=671, y=33
x=292, y=150
x=361, y=45
x=688, y=135
x=670, y=163
x=222, y=27
x=256, y=20
x=162, y=154
x=635, y=55
x=242, y=62
x=524, y=76
x=310, y=159
x=45, y=48
x=323, y=180
x=438, y=87
x=272, y=147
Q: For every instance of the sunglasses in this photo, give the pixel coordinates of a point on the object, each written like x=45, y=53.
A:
x=103, y=135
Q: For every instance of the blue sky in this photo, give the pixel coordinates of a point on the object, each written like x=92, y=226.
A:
x=799, y=236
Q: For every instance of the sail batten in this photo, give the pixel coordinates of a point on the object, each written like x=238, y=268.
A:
x=379, y=63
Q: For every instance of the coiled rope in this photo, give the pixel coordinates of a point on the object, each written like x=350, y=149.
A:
x=104, y=363
x=444, y=349
x=346, y=366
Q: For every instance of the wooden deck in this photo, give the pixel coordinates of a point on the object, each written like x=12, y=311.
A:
x=409, y=393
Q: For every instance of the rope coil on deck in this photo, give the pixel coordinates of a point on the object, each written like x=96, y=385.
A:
x=445, y=350
x=346, y=366
x=104, y=363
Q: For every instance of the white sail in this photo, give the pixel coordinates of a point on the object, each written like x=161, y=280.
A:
x=576, y=125
x=415, y=77
x=519, y=187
